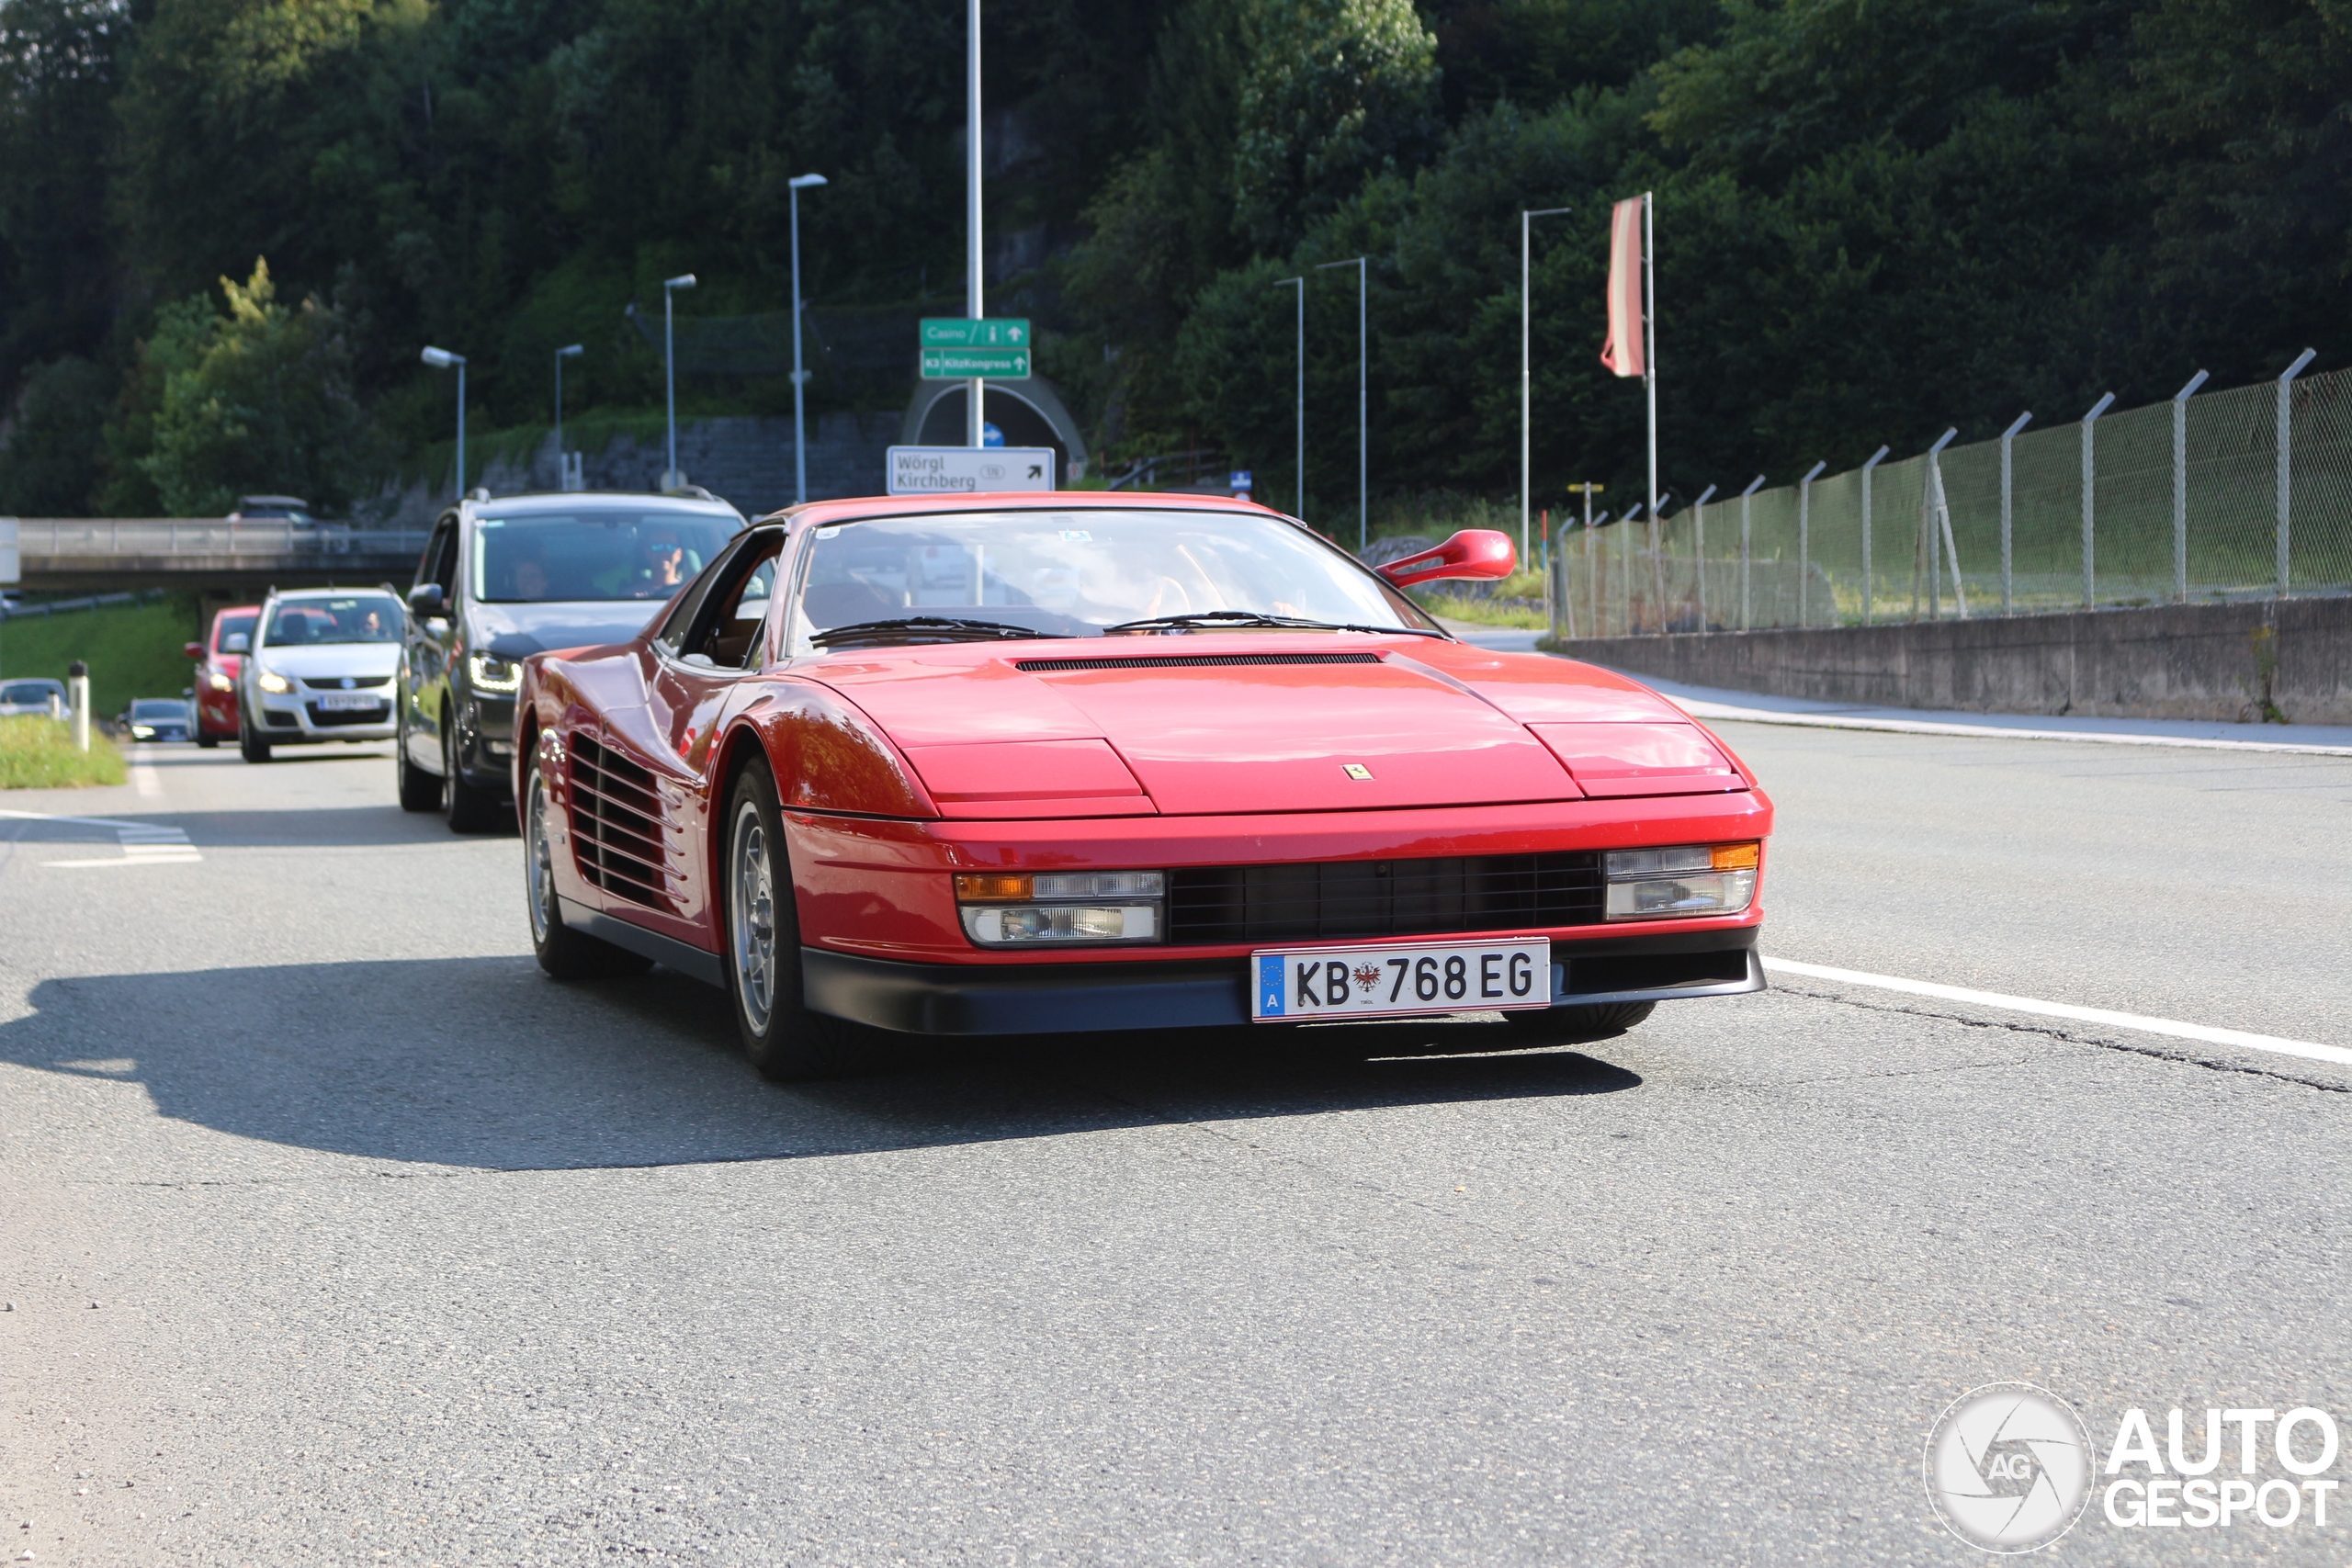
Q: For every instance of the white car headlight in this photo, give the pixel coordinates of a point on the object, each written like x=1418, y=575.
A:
x=271, y=680
x=221, y=682
x=1686, y=881
x=1016, y=909
x=492, y=673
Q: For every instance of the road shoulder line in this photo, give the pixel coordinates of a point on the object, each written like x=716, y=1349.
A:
x=2173, y=1028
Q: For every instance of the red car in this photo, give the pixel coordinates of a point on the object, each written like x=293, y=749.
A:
x=1026, y=765
x=218, y=659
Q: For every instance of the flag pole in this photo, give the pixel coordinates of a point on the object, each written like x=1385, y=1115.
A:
x=1649, y=387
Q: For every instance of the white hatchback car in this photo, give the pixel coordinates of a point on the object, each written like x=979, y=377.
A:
x=321, y=669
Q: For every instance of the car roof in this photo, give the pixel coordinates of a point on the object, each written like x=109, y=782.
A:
x=848, y=509
x=284, y=595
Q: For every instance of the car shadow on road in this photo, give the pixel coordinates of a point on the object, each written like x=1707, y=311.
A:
x=485, y=1063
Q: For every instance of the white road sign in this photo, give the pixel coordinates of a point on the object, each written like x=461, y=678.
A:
x=966, y=470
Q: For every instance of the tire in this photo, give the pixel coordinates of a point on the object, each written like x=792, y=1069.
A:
x=469, y=809
x=564, y=954
x=761, y=953
x=1581, y=1023
x=206, y=742
x=418, y=790
x=250, y=746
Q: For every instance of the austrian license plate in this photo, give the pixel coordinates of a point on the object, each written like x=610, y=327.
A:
x=1390, y=982
x=349, y=702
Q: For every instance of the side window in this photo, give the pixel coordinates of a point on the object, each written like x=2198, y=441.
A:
x=728, y=631
x=445, y=565
x=433, y=549
x=687, y=608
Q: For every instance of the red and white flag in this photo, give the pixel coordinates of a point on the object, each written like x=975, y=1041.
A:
x=1623, y=349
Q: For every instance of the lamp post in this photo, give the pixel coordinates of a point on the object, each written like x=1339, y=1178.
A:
x=1524, y=218
x=798, y=184
x=1363, y=420
x=560, y=355
x=976, y=423
x=442, y=360
x=1301, y=281
x=669, y=286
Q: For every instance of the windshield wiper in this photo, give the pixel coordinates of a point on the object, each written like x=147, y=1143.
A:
x=1217, y=620
x=924, y=628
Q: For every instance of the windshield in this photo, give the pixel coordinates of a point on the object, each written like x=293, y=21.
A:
x=1077, y=572
x=30, y=691
x=158, y=707
x=604, y=553
x=357, y=617
x=232, y=625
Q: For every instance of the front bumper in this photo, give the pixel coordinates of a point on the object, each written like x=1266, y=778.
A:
x=1065, y=998
x=296, y=717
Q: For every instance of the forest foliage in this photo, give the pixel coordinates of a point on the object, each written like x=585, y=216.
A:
x=227, y=226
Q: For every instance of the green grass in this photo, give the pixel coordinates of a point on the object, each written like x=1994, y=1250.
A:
x=133, y=650
x=37, y=753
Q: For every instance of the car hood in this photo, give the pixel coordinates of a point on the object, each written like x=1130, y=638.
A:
x=367, y=659
x=1225, y=723
x=515, y=630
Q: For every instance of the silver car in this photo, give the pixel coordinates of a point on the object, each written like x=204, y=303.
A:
x=321, y=669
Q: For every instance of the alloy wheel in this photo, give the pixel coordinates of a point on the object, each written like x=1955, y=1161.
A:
x=538, y=866
x=752, y=919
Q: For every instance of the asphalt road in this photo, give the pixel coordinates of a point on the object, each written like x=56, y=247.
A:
x=333, y=1233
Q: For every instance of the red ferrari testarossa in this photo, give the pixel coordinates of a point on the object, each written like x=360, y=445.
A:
x=1018, y=764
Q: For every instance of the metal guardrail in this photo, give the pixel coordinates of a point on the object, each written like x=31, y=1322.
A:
x=40, y=538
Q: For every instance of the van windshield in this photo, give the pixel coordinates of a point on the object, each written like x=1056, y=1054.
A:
x=598, y=553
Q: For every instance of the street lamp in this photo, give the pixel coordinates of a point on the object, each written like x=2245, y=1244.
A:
x=1301, y=512
x=669, y=286
x=442, y=360
x=800, y=377
x=1524, y=219
x=1363, y=421
x=560, y=355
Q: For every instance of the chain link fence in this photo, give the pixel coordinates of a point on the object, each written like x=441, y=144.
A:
x=2236, y=494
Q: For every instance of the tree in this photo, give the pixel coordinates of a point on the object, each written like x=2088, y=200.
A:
x=267, y=405
x=49, y=464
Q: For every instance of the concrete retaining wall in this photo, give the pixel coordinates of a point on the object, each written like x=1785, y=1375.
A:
x=2289, y=659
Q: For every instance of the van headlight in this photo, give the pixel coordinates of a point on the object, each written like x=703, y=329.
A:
x=1679, y=883
x=492, y=673
x=1060, y=908
x=271, y=680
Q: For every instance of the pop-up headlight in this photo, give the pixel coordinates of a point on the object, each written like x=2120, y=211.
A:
x=1022, y=909
x=1678, y=883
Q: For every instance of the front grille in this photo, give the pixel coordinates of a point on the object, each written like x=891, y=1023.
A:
x=1191, y=661
x=1398, y=897
x=328, y=718
x=615, y=824
x=359, y=684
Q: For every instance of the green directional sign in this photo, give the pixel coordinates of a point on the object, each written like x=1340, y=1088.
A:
x=971, y=332
x=965, y=364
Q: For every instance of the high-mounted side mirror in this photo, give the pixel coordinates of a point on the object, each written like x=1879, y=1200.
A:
x=236, y=642
x=426, y=600
x=193, y=650
x=1477, y=554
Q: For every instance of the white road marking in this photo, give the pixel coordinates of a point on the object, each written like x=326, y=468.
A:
x=1722, y=713
x=145, y=779
x=143, y=843
x=2309, y=1050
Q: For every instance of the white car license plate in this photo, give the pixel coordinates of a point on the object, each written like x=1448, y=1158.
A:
x=349, y=702
x=1387, y=982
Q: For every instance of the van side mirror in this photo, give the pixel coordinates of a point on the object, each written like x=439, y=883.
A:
x=236, y=642
x=427, y=600
x=1476, y=553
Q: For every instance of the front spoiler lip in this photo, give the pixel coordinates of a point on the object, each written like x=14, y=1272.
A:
x=1050, y=999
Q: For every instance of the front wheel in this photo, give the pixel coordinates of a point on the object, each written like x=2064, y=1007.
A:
x=250, y=746
x=564, y=954
x=418, y=790
x=785, y=1040
x=468, y=807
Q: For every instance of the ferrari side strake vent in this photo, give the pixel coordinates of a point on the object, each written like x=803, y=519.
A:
x=1192, y=662
x=1401, y=897
x=615, y=825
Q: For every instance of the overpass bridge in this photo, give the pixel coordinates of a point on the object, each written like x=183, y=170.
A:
x=208, y=554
